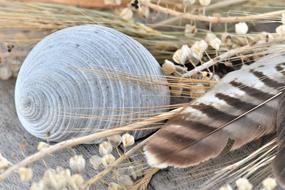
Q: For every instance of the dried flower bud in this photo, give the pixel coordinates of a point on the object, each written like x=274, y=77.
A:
x=26, y=174
x=125, y=180
x=38, y=186
x=176, y=56
x=126, y=14
x=280, y=30
x=112, y=2
x=168, y=67
x=128, y=140
x=5, y=72
x=95, y=161
x=182, y=55
x=42, y=145
x=77, y=163
x=243, y=184
x=190, y=30
x=226, y=187
x=115, y=186
x=241, y=28
x=108, y=160
x=76, y=181
x=269, y=183
x=4, y=163
x=213, y=41
x=51, y=180
x=198, y=49
x=205, y=2
x=105, y=148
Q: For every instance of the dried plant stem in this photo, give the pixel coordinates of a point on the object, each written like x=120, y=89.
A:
x=103, y=173
x=216, y=60
x=215, y=19
x=85, y=139
x=245, y=49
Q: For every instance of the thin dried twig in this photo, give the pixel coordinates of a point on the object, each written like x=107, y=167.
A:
x=103, y=173
x=215, y=19
x=229, y=54
x=85, y=139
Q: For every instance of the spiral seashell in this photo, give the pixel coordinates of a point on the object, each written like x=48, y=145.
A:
x=82, y=79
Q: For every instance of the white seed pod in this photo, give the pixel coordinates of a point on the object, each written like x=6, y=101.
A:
x=176, y=56
x=269, y=183
x=53, y=181
x=77, y=163
x=205, y=2
x=126, y=13
x=182, y=55
x=95, y=161
x=42, y=145
x=280, y=30
x=105, y=148
x=38, y=186
x=190, y=30
x=26, y=174
x=5, y=72
x=128, y=140
x=168, y=67
x=198, y=49
x=115, y=186
x=76, y=181
x=213, y=41
x=226, y=187
x=115, y=140
x=243, y=184
x=71, y=84
x=241, y=28
x=125, y=180
x=4, y=163
x=108, y=160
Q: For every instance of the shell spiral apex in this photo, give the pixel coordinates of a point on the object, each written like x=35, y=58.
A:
x=74, y=83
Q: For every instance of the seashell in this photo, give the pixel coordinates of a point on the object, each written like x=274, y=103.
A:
x=74, y=83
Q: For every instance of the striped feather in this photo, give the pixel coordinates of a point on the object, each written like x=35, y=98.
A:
x=238, y=110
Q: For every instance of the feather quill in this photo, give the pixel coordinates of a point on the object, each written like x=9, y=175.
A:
x=241, y=108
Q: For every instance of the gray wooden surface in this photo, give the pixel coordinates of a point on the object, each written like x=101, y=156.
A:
x=16, y=143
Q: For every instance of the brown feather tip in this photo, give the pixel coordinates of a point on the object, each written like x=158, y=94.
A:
x=153, y=161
